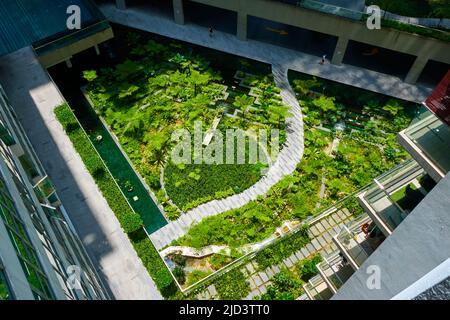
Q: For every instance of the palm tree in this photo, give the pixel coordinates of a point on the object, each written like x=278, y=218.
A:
x=278, y=112
x=198, y=79
x=243, y=103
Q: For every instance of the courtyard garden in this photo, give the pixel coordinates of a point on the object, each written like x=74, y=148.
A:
x=159, y=86
x=350, y=138
x=162, y=87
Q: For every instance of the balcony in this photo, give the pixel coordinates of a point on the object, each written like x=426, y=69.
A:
x=428, y=142
x=358, y=239
x=317, y=289
x=46, y=193
x=393, y=195
x=335, y=270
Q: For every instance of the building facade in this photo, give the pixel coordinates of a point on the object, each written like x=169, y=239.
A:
x=41, y=256
x=331, y=27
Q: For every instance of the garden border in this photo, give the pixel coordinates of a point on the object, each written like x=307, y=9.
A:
x=117, y=143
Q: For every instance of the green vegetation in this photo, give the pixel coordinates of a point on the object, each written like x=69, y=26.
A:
x=4, y=294
x=415, y=8
x=161, y=88
x=421, y=31
x=192, y=184
x=307, y=269
x=350, y=138
x=285, y=286
x=232, y=285
x=129, y=221
x=282, y=249
x=365, y=146
x=251, y=223
x=288, y=283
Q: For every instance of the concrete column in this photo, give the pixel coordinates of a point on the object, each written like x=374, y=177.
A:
x=416, y=69
x=121, y=4
x=339, y=51
x=178, y=11
x=242, y=26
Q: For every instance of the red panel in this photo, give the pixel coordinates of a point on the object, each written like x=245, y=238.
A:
x=439, y=101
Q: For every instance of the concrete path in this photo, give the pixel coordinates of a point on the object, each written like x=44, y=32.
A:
x=33, y=95
x=287, y=161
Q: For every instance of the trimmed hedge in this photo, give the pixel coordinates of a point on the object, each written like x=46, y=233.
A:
x=131, y=222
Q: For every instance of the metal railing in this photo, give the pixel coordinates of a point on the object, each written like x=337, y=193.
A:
x=389, y=20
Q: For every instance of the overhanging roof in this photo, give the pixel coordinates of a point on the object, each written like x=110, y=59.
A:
x=27, y=22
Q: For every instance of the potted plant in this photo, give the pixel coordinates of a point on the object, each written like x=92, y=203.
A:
x=129, y=186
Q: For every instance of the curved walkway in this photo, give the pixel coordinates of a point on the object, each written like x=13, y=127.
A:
x=285, y=164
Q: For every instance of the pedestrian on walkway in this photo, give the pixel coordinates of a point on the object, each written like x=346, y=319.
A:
x=211, y=31
x=322, y=61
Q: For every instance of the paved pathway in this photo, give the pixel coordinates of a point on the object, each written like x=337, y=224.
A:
x=285, y=164
x=33, y=95
x=281, y=59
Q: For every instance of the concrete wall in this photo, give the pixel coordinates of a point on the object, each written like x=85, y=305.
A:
x=59, y=55
x=325, y=23
x=345, y=29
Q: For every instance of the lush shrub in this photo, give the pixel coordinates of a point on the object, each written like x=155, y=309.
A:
x=232, y=285
x=179, y=274
x=153, y=263
x=285, y=286
x=307, y=267
x=282, y=249
x=195, y=276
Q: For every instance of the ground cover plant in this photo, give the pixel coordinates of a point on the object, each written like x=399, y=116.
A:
x=162, y=87
x=288, y=283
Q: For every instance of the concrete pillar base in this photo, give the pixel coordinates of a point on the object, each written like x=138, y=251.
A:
x=178, y=11
x=121, y=4
x=242, y=26
x=416, y=69
x=339, y=51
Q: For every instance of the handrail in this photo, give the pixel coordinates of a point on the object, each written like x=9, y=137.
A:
x=360, y=15
x=39, y=45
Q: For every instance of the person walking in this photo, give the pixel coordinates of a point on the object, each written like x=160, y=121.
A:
x=322, y=61
x=211, y=31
